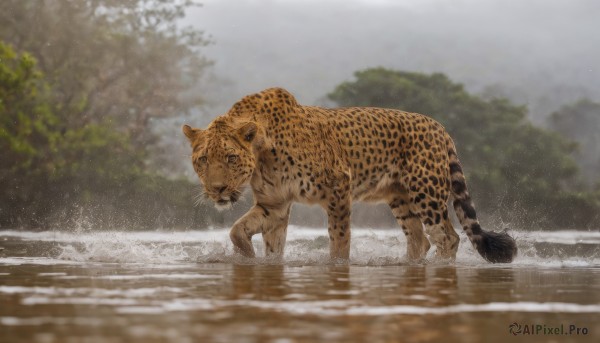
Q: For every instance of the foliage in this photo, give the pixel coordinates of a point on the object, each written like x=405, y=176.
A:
x=74, y=127
x=508, y=161
x=45, y=164
x=580, y=122
x=56, y=175
x=125, y=62
x=25, y=118
x=26, y=135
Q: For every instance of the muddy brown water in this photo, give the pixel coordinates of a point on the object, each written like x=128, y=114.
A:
x=189, y=287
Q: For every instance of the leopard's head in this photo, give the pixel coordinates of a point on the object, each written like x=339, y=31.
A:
x=223, y=158
x=224, y=153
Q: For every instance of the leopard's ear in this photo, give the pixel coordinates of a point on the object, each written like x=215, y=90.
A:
x=190, y=133
x=248, y=132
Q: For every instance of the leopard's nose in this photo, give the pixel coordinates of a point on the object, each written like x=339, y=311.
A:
x=218, y=187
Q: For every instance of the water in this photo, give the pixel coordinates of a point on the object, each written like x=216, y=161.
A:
x=189, y=287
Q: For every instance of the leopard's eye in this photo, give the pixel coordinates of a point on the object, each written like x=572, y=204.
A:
x=202, y=159
x=232, y=158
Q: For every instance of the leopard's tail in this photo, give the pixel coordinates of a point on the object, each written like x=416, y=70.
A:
x=493, y=246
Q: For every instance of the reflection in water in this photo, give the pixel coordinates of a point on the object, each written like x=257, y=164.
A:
x=444, y=285
x=494, y=284
x=339, y=282
x=260, y=282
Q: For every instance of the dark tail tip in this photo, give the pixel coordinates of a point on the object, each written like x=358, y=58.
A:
x=497, y=247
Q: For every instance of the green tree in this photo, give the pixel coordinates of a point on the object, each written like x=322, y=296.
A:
x=43, y=163
x=75, y=127
x=51, y=175
x=580, y=122
x=514, y=164
x=25, y=117
x=126, y=62
x=27, y=135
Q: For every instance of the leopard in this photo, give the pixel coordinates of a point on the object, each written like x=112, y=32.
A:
x=290, y=153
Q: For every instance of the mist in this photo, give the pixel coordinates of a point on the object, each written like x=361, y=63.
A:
x=539, y=54
x=542, y=54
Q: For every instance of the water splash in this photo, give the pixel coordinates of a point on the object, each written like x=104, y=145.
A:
x=304, y=246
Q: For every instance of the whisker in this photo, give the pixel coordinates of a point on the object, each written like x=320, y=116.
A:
x=244, y=192
x=199, y=197
x=239, y=196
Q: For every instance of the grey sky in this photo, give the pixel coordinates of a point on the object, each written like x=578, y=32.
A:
x=534, y=51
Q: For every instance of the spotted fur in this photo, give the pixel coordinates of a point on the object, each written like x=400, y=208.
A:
x=332, y=157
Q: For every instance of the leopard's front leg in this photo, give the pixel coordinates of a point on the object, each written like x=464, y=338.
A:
x=244, y=228
x=274, y=230
x=271, y=221
x=339, y=235
x=338, y=217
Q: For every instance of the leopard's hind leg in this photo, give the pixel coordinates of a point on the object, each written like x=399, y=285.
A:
x=427, y=180
x=429, y=204
x=417, y=245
